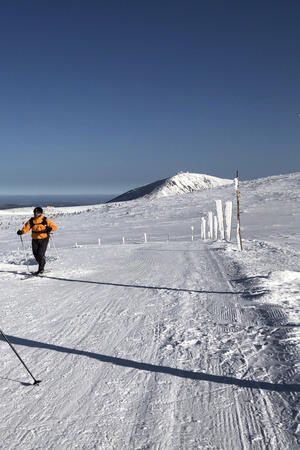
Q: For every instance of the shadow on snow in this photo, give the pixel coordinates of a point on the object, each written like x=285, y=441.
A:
x=245, y=294
x=163, y=288
x=187, y=374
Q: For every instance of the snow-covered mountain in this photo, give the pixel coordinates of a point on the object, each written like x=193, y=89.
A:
x=181, y=183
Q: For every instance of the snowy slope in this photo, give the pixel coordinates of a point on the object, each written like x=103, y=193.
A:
x=180, y=183
x=170, y=344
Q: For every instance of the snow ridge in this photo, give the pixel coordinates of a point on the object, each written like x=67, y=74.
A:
x=181, y=183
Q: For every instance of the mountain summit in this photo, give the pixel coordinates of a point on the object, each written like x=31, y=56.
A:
x=181, y=183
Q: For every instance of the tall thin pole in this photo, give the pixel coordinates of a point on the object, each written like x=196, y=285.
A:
x=25, y=254
x=15, y=351
x=237, y=189
x=53, y=245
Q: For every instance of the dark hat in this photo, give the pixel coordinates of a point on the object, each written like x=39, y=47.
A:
x=38, y=209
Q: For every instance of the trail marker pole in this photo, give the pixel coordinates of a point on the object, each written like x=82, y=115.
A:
x=210, y=225
x=216, y=227
x=220, y=218
x=238, y=230
x=203, y=228
x=228, y=219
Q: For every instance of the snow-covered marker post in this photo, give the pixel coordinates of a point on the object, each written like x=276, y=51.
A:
x=210, y=225
x=203, y=228
x=192, y=228
x=123, y=239
x=238, y=229
x=145, y=238
x=228, y=219
x=216, y=227
x=99, y=242
x=220, y=218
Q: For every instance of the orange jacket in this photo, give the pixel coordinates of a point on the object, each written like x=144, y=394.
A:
x=38, y=227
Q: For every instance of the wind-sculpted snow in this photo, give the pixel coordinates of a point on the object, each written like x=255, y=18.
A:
x=170, y=344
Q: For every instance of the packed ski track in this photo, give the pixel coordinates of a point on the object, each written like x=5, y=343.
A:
x=165, y=344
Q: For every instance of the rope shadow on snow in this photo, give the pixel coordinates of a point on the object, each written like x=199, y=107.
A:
x=181, y=373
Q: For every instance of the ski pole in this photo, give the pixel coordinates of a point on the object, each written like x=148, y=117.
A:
x=25, y=253
x=52, y=241
x=13, y=348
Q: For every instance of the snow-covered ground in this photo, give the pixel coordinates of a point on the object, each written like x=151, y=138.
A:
x=170, y=344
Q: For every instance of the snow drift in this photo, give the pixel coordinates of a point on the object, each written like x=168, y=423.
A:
x=180, y=183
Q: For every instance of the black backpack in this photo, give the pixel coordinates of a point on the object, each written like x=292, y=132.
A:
x=44, y=222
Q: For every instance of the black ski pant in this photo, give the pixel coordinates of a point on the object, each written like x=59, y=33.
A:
x=39, y=247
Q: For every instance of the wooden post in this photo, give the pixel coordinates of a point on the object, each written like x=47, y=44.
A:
x=239, y=236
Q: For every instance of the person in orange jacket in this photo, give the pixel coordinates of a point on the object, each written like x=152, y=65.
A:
x=41, y=227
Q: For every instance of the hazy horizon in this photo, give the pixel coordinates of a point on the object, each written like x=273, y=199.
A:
x=18, y=201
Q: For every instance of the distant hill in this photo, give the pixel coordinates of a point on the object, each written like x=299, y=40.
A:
x=180, y=183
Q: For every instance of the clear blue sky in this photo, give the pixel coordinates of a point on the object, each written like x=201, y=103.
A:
x=102, y=96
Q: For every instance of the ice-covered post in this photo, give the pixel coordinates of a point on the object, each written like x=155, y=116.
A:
x=192, y=228
x=203, y=228
x=99, y=242
x=228, y=219
x=210, y=225
x=145, y=237
x=238, y=229
x=220, y=218
x=123, y=240
x=216, y=227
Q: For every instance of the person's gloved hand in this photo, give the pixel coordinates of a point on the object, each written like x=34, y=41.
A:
x=48, y=229
x=19, y=232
